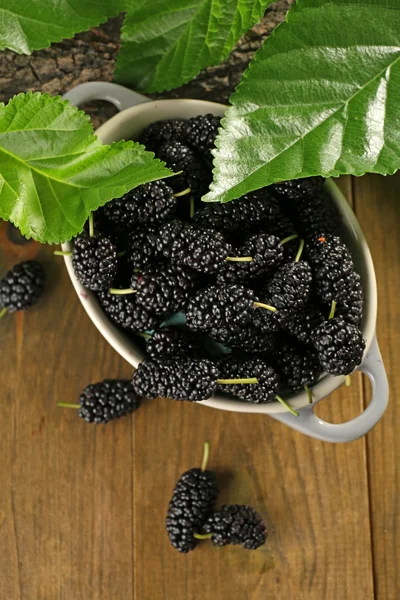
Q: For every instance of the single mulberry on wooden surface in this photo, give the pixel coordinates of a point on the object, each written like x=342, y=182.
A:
x=107, y=400
x=22, y=286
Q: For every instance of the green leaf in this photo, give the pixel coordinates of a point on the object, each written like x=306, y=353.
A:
x=54, y=171
x=27, y=25
x=165, y=43
x=321, y=97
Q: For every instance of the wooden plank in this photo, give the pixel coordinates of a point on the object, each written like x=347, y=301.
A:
x=313, y=495
x=378, y=210
x=65, y=485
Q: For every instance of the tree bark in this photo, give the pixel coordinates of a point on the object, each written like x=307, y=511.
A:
x=90, y=56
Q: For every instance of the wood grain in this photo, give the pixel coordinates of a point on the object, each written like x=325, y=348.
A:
x=378, y=211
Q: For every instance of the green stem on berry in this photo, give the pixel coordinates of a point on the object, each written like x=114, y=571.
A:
x=91, y=225
x=239, y=258
x=347, y=381
x=61, y=253
x=3, y=312
x=246, y=380
x=294, y=236
x=191, y=207
x=286, y=405
x=333, y=308
x=206, y=456
x=266, y=306
x=120, y=254
x=299, y=251
x=67, y=405
x=182, y=193
x=309, y=394
x=122, y=292
x=143, y=334
x=203, y=536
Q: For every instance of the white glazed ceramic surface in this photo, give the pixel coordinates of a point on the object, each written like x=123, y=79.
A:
x=127, y=125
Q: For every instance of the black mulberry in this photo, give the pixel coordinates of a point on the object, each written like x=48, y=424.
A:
x=256, y=211
x=220, y=307
x=198, y=248
x=141, y=249
x=290, y=288
x=297, y=365
x=163, y=289
x=340, y=346
x=266, y=253
x=237, y=524
x=176, y=378
x=125, y=312
x=22, y=286
x=179, y=157
x=192, y=501
x=350, y=308
x=201, y=131
x=242, y=368
x=170, y=342
x=95, y=261
x=297, y=189
x=150, y=203
x=108, y=400
x=301, y=324
x=161, y=132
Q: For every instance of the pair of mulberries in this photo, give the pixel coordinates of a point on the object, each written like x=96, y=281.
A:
x=192, y=511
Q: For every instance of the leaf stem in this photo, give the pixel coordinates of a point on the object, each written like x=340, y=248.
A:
x=191, y=207
x=246, y=380
x=206, y=456
x=61, y=253
x=239, y=258
x=91, y=225
x=286, y=405
x=266, y=306
x=347, y=381
x=333, y=308
x=68, y=405
x=122, y=292
x=203, y=536
x=309, y=394
x=3, y=312
x=289, y=238
x=182, y=193
x=299, y=251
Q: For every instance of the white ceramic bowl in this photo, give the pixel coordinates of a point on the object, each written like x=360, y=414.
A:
x=127, y=125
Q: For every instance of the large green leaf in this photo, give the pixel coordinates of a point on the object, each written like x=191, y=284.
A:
x=27, y=25
x=54, y=171
x=321, y=97
x=165, y=43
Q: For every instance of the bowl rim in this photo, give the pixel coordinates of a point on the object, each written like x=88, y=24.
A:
x=180, y=108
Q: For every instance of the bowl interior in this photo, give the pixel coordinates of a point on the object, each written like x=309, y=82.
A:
x=128, y=125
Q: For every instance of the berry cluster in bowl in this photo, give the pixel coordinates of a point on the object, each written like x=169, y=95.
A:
x=249, y=298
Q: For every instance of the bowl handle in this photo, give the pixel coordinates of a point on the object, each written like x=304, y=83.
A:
x=118, y=95
x=311, y=425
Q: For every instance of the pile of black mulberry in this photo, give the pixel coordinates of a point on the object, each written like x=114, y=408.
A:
x=265, y=289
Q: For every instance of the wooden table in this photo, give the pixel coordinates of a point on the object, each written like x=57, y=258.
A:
x=82, y=507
